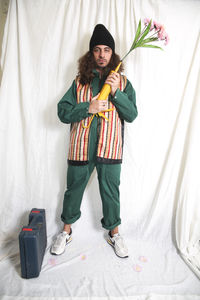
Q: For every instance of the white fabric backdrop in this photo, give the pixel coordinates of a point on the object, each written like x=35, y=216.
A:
x=160, y=206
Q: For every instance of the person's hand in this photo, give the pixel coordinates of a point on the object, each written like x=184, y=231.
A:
x=114, y=81
x=97, y=105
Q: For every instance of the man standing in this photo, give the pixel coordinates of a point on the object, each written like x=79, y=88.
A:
x=96, y=141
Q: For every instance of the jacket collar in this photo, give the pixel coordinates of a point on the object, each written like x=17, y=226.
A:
x=97, y=74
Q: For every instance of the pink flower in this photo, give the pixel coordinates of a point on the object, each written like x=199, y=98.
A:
x=161, y=35
x=146, y=23
x=162, y=28
x=152, y=26
x=156, y=25
x=166, y=39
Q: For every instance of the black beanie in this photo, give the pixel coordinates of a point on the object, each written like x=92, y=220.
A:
x=101, y=36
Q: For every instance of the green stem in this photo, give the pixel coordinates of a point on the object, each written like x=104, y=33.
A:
x=154, y=33
x=143, y=31
x=125, y=56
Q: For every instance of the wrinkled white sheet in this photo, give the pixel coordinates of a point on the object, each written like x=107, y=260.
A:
x=160, y=205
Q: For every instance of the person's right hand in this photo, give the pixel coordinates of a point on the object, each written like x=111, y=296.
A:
x=97, y=105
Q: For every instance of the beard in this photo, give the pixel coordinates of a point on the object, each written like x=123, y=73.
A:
x=105, y=70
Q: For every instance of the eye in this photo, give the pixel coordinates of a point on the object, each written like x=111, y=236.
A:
x=107, y=50
x=96, y=50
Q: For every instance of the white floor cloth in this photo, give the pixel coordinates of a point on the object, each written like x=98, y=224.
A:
x=160, y=207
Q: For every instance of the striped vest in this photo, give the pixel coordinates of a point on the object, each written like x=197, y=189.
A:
x=110, y=139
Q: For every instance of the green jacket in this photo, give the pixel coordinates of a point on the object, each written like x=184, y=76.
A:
x=69, y=111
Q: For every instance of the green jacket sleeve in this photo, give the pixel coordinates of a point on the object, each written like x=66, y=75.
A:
x=69, y=111
x=125, y=103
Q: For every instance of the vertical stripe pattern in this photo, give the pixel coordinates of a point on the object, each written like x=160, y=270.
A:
x=110, y=138
x=79, y=136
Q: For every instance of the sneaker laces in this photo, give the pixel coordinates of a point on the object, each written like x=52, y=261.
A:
x=60, y=238
x=119, y=241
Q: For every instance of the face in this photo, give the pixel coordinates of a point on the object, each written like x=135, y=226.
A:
x=102, y=55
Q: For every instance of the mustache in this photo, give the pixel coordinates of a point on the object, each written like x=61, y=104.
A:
x=101, y=59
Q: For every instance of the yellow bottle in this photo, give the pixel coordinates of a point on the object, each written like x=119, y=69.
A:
x=105, y=91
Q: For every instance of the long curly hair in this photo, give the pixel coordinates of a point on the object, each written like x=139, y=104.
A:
x=86, y=64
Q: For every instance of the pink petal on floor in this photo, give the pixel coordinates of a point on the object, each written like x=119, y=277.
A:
x=52, y=261
x=137, y=268
x=143, y=259
x=83, y=257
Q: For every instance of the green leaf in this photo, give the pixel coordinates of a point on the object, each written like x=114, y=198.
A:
x=145, y=33
x=150, y=46
x=138, y=31
x=150, y=40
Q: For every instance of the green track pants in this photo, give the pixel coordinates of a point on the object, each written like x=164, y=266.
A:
x=109, y=181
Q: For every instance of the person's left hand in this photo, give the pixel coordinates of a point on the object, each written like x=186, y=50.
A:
x=114, y=81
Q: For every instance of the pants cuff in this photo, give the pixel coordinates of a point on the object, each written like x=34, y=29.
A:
x=70, y=220
x=111, y=227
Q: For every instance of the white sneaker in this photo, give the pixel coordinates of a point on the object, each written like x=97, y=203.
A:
x=62, y=239
x=118, y=244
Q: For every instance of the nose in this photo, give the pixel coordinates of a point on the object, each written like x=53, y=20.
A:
x=102, y=53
